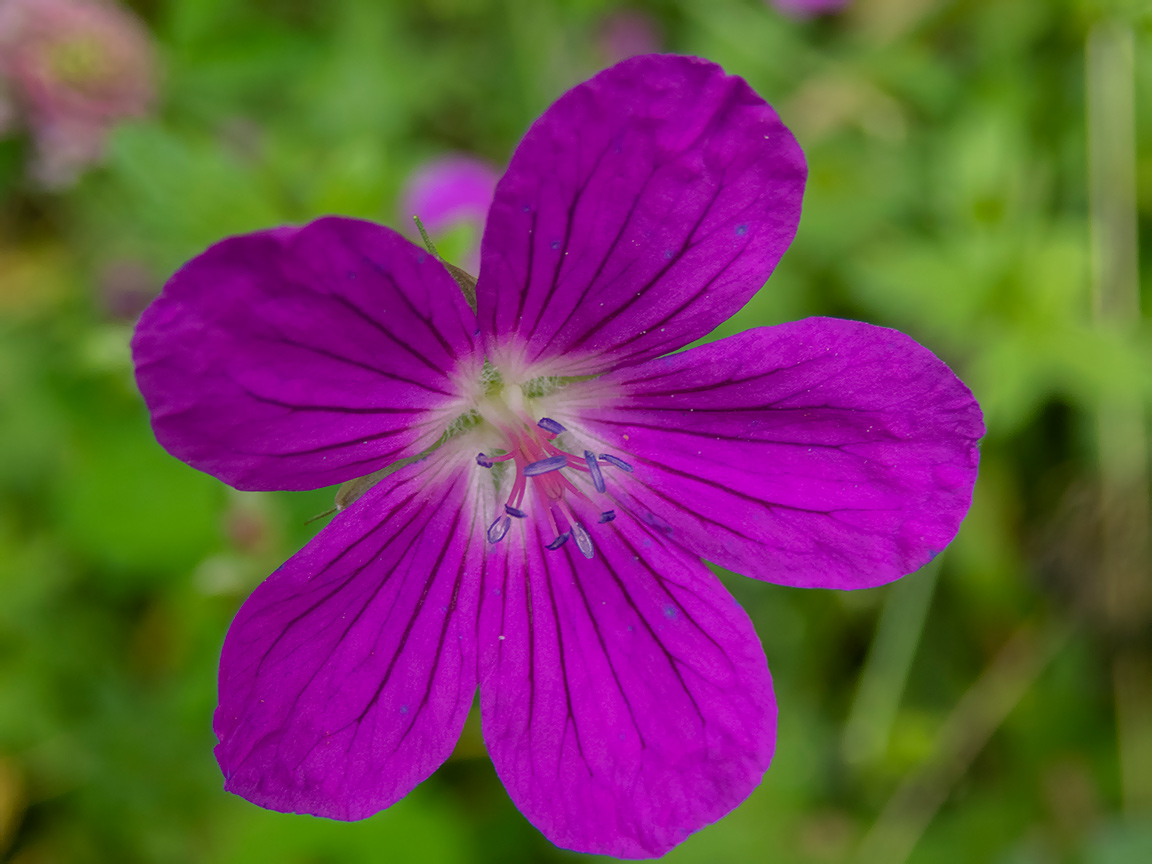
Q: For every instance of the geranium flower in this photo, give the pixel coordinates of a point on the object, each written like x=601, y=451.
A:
x=562, y=475
x=73, y=69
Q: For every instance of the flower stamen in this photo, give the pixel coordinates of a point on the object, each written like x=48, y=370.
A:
x=550, y=425
x=486, y=461
x=594, y=470
x=545, y=466
x=528, y=444
x=583, y=540
x=616, y=462
x=498, y=529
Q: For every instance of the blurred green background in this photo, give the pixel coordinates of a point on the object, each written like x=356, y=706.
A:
x=981, y=176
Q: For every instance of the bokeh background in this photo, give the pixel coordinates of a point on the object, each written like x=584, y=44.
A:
x=981, y=178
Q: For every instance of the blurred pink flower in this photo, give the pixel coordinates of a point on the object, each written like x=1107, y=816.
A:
x=125, y=287
x=71, y=69
x=628, y=33
x=451, y=191
x=808, y=8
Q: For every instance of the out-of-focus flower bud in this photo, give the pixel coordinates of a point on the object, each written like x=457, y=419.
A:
x=449, y=193
x=71, y=69
x=124, y=288
x=628, y=33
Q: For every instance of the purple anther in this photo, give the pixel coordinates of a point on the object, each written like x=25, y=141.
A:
x=552, y=463
x=498, y=529
x=557, y=543
x=607, y=516
x=583, y=540
x=550, y=425
x=594, y=470
x=512, y=511
x=483, y=461
x=616, y=461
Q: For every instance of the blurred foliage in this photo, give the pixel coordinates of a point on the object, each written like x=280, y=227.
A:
x=946, y=143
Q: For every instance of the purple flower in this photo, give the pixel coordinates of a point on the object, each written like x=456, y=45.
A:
x=562, y=475
x=72, y=70
x=808, y=8
x=450, y=192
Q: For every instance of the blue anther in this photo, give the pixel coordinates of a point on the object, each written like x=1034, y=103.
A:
x=594, y=470
x=583, y=540
x=483, y=461
x=607, y=516
x=550, y=425
x=552, y=463
x=512, y=511
x=616, y=461
x=498, y=529
x=557, y=543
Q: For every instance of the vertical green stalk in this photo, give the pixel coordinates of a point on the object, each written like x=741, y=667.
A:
x=1120, y=423
x=973, y=721
x=869, y=725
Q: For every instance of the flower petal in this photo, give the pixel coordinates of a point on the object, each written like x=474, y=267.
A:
x=346, y=677
x=301, y=357
x=821, y=453
x=641, y=210
x=626, y=699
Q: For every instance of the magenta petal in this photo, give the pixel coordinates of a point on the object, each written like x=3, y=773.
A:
x=821, y=453
x=346, y=677
x=641, y=210
x=626, y=700
x=301, y=357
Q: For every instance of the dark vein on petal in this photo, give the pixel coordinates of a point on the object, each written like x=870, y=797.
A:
x=563, y=663
x=503, y=619
x=743, y=496
x=449, y=615
x=636, y=296
x=339, y=641
x=672, y=660
x=396, y=655
x=639, y=394
x=678, y=504
x=344, y=581
x=611, y=665
x=693, y=299
x=608, y=253
x=581, y=188
x=340, y=583
x=412, y=619
x=531, y=639
x=388, y=334
x=746, y=439
x=660, y=580
x=431, y=328
x=482, y=599
x=360, y=439
x=523, y=298
x=368, y=367
x=340, y=409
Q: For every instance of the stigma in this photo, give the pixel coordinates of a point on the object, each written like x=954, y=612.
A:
x=542, y=485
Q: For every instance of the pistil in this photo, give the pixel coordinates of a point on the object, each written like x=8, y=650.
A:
x=530, y=447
